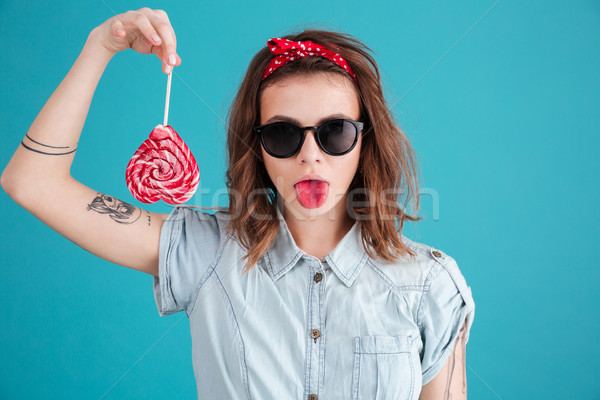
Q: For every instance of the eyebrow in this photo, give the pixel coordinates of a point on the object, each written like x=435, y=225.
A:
x=295, y=121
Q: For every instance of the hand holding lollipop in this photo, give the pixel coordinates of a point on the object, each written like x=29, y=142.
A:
x=163, y=168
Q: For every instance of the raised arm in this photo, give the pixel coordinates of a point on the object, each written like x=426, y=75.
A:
x=38, y=175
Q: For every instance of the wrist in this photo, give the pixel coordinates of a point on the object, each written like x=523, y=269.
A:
x=93, y=43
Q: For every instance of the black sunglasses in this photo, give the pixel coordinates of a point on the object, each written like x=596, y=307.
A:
x=284, y=139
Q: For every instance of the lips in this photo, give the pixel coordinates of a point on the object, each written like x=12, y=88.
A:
x=311, y=177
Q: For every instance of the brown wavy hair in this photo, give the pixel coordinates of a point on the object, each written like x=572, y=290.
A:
x=387, y=172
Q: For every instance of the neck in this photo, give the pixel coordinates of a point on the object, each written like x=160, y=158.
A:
x=319, y=235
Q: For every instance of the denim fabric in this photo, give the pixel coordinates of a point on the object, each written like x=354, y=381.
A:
x=368, y=329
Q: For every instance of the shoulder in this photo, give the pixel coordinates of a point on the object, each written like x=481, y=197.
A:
x=444, y=279
x=420, y=271
x=194, y=222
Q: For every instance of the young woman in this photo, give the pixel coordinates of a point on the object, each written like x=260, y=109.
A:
x=304, y=287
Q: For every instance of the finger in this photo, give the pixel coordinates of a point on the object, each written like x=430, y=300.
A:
x=178, y=61
x=161, y=23
x=159, y=53
x=143, y=23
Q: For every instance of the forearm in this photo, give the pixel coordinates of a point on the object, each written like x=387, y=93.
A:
x=46, y=153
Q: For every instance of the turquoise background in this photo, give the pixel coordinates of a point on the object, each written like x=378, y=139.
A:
x=500, y=100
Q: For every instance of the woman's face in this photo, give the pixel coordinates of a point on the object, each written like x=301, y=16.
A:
x=309, y=101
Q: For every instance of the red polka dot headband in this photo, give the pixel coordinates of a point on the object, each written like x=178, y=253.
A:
x=287, y=50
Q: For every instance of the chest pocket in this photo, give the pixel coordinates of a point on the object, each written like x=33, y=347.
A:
x=384, y=367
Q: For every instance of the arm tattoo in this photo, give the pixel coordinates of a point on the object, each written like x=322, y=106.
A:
x=460, y=344
x=119, y=211
x=45, y=145
x=50, y=149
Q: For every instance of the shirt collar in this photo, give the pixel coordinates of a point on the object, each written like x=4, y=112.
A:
x=346, y=260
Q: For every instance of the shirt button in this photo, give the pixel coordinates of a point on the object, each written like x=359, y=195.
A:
x=318, y=277
x=312, y=397
x=437, y=253
x=315, y=333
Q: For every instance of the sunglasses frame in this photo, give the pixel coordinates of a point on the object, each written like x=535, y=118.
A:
x=358, y=127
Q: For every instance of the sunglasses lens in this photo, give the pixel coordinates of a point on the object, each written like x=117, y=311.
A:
x=337, y=136
x=281, y=139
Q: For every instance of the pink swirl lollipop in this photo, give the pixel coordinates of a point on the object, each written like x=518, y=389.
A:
x=163, y=168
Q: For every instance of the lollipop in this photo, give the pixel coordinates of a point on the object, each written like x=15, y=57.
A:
x=163, y=168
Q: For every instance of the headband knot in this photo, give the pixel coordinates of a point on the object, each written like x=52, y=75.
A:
x=288, y=50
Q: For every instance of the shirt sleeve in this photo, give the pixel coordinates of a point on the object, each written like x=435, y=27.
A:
x=444, y=308
x=189, y=241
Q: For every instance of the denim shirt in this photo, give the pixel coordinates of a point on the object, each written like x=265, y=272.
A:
x=297, y=327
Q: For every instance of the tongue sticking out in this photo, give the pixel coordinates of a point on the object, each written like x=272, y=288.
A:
x=312, y=194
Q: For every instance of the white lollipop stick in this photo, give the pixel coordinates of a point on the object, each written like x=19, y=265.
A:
x=167, y=101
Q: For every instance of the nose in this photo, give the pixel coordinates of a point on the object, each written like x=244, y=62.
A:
x=310, y=151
